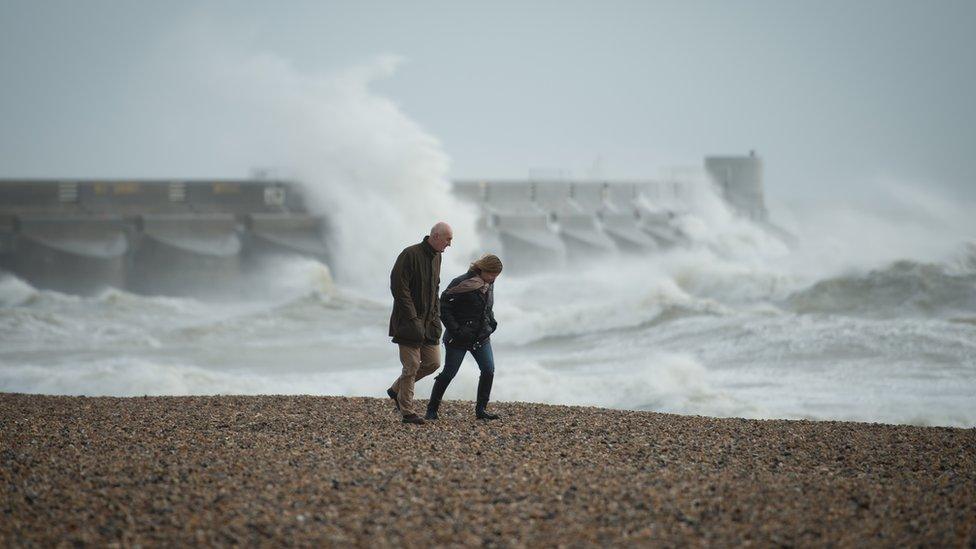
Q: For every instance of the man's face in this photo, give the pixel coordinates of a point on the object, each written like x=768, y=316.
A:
x=441, y=240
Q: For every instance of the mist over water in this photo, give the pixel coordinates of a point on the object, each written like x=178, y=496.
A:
x=218, y=110
x=870, y=317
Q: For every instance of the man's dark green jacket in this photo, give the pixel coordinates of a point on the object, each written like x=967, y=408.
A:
x=414, y=283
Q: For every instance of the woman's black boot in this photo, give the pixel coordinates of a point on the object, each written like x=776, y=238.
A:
x=484, y=391
x=436, y=395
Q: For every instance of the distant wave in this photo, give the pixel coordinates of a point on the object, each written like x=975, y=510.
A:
x=902, y=288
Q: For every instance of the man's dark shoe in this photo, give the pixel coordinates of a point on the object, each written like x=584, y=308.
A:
x=413, y=418
x=392, y=394
x=431, y=415
x=485, y=415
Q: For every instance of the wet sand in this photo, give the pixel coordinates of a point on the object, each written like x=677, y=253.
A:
x=298, y=470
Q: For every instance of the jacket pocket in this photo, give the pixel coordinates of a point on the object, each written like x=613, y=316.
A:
x=434, y=329
x=466, y=334
x=412, y=330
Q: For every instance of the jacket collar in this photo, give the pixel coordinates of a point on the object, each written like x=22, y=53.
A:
x=428, y=249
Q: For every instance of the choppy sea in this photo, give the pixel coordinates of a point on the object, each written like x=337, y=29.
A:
x=689, y=331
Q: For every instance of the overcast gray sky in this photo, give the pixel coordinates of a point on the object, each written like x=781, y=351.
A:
x=835, y=95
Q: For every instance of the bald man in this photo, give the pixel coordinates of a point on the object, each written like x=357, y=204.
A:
x=415, y=324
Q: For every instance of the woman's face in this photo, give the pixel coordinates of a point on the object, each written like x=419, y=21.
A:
x=489, y=278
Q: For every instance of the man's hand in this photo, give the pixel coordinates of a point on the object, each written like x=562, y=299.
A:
x=418, y=325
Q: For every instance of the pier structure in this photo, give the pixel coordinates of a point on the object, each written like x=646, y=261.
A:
x=170, y=237
x=546, y=222
x=740, y=180
x=190, y=237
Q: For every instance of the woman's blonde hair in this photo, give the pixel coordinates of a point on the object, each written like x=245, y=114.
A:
x=488, y=263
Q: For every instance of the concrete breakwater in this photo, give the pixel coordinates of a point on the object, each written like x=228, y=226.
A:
x=168, y=237
x=195, y=236
x=539, y=223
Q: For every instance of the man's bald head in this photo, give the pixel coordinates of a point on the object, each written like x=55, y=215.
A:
x=441, y=235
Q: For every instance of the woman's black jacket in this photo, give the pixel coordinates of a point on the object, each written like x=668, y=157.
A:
x=467, y=317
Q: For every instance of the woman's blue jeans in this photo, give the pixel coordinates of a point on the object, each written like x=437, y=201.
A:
x=453, y=357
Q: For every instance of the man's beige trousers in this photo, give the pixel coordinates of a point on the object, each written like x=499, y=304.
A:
x=418, y=363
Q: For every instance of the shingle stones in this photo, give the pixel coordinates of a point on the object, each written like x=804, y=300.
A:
x=302, y=470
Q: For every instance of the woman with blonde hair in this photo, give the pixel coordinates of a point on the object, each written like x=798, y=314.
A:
x=466, y=312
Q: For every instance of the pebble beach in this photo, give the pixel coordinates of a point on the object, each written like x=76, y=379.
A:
x=326, y=471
